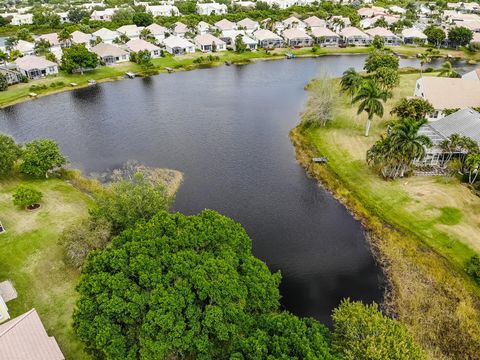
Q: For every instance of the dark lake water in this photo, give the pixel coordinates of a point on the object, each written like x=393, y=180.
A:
x=227, y=130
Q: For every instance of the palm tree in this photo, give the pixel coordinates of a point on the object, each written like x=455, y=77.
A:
x=145, y=34
x=473, y=163
x=10, y=43
x=407, y=142
x=448, y=70
x=370, y=97
x=424, y=59
x=65, y=38
x=351, y=82
x=42, y=47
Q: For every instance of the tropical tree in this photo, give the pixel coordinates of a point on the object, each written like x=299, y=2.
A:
x=387, y=78
x=448, y=70
x=9, y=154
x=25, y=196
x=472, y=162
x=413, y=108
x=40, y=157
x=378, y=42
x=146, y=34
x=24, y=34
x=3, y=82
x=370, y=98
x=460, y=36
x=65, y=38
x=10, y=43
x=351, y=82
x=435, y=35
x=142, y=19
x=42, y=47
x=78, y=58
x=379, y=59
x=424, y=59
x=122, y=39
x=77, y=14
x=240, y=46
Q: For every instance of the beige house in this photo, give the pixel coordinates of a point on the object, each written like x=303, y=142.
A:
x=297, y=38
x=35, y=67
x=388, y=37
x=209, y=43
x=157, y=31
x=413, y=36
x=110, y=54
x=176, y=45
x=267, y=39
x=448, y=93
x=131, y=31
x=353, y=36
x=25, y=338
x=79, y=37
x=142, y=45
x=248, y=25
x=325, y=37
x=314, y=22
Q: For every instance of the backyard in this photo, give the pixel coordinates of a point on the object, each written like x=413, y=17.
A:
x=33, y=260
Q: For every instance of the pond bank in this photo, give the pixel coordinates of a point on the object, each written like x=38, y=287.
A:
x=427, y=287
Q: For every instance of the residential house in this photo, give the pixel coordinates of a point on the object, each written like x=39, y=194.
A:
x=473, y=25
x=353, y=36
x=110, y=54
x=245, y=4
x=63, y=17
x=212, y=8
x=162, y=10
x=465, y=122
x=25, y=338
x=25, y=47
x=180, y=29
x=475, y=39
x=267, y=39
x=203, y=28
x=20, y=19
x=413, y=36
x=7, y=293
x=225, y=24
x=209, y=43
x=248, y=41
x=472, y=75
x=282, y=4
x=397, y=10
x=107, y=36
x=35, y=67
x=371, y=22
x=325, y=37
x=79, y=37
x=52, y=38
x=131, y=31
x=103, y=15
x=157, y=31
x=297, y=38
x=13, y=77
x=388, y=37
x=176, y=45
x=337, y=23
x=294, y=23
x=137, y=45
x=447, y=93
x=248, y=25
x=314, y=22
x=369, y=12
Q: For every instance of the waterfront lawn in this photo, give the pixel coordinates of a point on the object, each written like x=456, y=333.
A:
x=440, y=211
x=32, y=259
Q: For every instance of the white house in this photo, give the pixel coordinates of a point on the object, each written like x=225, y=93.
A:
x=225, y=24
x=314, y=22
x=297, y=38
x=209, y=43
x=176, y=45
x=79, y=37
x=248, y=41
x=211, y=9
x=397, y=10
x=103, y=15
x=472, y=75
x=162, y=10
x=267, y=39
x=248, y=25
x=413, y=36
x=368, y=12
x=63, y=17
x=110, y=54
x=353, y=36
x=282, y=4
x=35, y=67
x=137, y=45
x=388, y=37
x=325, y=37
x=157, y=31
x=180, y=29
x=25, y=47
x=336, y=23
x=20, y=19
x=447, y=93
x=52, y=38
x=106, y=35
x=203, y=27
x=131, y=31
x=294, y=23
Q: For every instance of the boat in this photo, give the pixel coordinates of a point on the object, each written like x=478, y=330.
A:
x=91, y=82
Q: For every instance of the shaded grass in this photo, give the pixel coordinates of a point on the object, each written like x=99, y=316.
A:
x=33, y=260
x=450, y=216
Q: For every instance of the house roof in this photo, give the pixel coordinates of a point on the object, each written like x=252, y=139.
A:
x=52, y=38
x=450, y=93
x=7, y=291
x=351, y=31
x=380, y=31
x=476, y=37
x=137, y=45
x=291, y=20
x=104, y=50
x=294, y=34
x=106, y=34
x=208, y=39
x=472, y=75
x=79, y=37
x=264, y=34
x=413, y=33
x=156, y=29
x=465, y=122
x=180, y=28
x=225, y=24
x=24, y=46
x=176, y=41
x=203, y=25
x=247, y=23
x=130, y=30
x=314, y=21
x=31, y=62
x=323, y=31
x=25, y=338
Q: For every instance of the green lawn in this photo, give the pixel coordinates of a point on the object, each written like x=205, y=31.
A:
x=32, y=259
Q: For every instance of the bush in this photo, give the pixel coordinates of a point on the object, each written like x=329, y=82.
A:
x=473, y=268
x=25, y=196
x=3, y=82
x=41, y=157
x=9, y=154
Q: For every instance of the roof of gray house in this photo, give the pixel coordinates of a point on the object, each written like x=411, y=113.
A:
x=465, y=122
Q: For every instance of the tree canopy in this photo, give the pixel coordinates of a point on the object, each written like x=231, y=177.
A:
x=460, y=36
x=142, y=19
x=414, y=108
x=78, y=58
x=25, y=196
x=380, y=59
x=435, y=35
x=41, y=156
x=9, y=154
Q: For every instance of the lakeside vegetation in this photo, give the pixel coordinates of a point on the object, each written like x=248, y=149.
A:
x=424, y=229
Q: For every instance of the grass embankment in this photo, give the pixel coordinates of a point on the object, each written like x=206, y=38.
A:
x=20, y=92
x=423, y=229
x=32, y=259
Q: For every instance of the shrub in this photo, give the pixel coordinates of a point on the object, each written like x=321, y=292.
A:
x=3, y=82
x=9, y=154
x=473, y=268
x=41, y=157
x=25, y=196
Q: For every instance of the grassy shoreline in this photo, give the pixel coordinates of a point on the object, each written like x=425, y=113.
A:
x=20, y=92
x=423, y=259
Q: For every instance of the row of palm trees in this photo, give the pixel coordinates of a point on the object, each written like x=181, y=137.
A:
x=367, y=93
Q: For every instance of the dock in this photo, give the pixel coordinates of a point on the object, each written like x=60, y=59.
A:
x=32, y=95
x=130, y=75
x=72, y=84
x=91, y=82
x=169, y=69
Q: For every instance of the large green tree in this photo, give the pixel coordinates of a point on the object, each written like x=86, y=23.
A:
x=460, y=36
x=351, y=82
x=174, y=287
x=25, y=196
x=370, y=98
x=380, y=59
x=9, y=154
x=413, y=108
x=362, y=332
x=76, y=14
x=41, y=156
x=435, y=35
x=3, y=81
x=142, y=19
x=78, y=58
